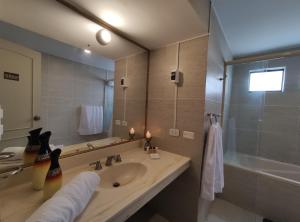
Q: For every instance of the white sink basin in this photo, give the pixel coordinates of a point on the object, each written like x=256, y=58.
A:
x=121, y=174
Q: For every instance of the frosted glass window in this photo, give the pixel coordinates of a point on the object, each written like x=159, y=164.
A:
x=266, y=80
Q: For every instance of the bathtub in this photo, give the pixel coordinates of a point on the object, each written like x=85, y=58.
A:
x=284, y=172
x=266, y=187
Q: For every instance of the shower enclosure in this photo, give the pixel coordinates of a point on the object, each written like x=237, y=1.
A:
x=262, y=137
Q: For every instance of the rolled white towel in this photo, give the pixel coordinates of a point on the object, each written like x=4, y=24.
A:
x=69, y=201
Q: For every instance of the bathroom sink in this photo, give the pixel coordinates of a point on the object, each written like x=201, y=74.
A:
x=121, y=174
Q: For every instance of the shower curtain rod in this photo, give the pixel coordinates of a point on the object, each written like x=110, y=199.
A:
x=275, y=55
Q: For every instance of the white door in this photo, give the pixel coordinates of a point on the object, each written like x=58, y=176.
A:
x=20, y=70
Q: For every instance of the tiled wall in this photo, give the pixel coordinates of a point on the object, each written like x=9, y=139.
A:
x=179, y=201
x=65, y=86
x=132, y=100
x=218, y=53
x=266, y=124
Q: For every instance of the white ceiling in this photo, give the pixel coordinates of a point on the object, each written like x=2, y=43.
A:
x=51, y=19
x=256, y=26
x=153, y=23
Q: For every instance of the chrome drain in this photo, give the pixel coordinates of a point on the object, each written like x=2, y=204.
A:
x=116, y=184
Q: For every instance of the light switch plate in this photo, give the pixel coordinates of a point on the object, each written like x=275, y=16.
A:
x=188, y=135
x=117, y=122
x=124, y=123
x=174, y=132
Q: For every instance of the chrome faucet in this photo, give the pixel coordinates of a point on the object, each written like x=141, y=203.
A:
x=97, y=164
x=90, y=146
x=6, y=155
x=13, y=171
x=109, y=159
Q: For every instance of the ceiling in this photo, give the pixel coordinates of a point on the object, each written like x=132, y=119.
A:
x=255, y=27
x=152, y=23
x=51, y=19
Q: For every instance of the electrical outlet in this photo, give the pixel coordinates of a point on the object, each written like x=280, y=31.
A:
x=124, y=123
x=117, y=122
x=188, y=135
x=174, y=132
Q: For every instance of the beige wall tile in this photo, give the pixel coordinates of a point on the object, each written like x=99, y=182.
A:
x=272, y=116
x=179, y=202
x=65, y=86
x=135, y=95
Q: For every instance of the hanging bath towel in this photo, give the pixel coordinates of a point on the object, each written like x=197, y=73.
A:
x=213, y=168
x=91, y=120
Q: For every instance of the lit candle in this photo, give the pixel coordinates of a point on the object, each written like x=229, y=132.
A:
x=148, y=135
x=131, y=131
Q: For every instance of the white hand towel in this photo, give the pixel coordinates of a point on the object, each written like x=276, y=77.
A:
x=213, y=168
x=91, y=120
x=69, y=201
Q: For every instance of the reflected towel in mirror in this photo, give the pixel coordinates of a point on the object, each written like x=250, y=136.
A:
x=91, y=120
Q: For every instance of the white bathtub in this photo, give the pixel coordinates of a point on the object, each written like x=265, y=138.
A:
x=285, y=172
x=266, y=187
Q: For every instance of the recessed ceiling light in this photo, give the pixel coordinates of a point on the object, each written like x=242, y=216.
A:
x=103, y=36
x=87, y=51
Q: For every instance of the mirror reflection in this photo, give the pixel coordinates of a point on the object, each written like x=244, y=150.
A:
x=88, y=90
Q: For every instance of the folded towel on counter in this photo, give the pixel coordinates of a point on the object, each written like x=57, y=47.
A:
x=91, y=120
x=69, y=201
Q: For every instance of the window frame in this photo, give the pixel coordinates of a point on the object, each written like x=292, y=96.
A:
x=283, y=69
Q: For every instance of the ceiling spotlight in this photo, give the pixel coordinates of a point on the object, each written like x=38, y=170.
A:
x=87, y=51
x=103, y=36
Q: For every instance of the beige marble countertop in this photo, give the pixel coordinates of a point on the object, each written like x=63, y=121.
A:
x=110, y=204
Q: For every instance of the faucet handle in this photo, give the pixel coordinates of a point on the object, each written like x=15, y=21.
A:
x=14, y=171
x=109, y=160
x=118, y=158
x=97, y=164
x=90, y=146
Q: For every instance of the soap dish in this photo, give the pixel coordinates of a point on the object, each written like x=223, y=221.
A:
x=154, y=156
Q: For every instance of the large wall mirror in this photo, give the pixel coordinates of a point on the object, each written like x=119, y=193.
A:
x=56, y=75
